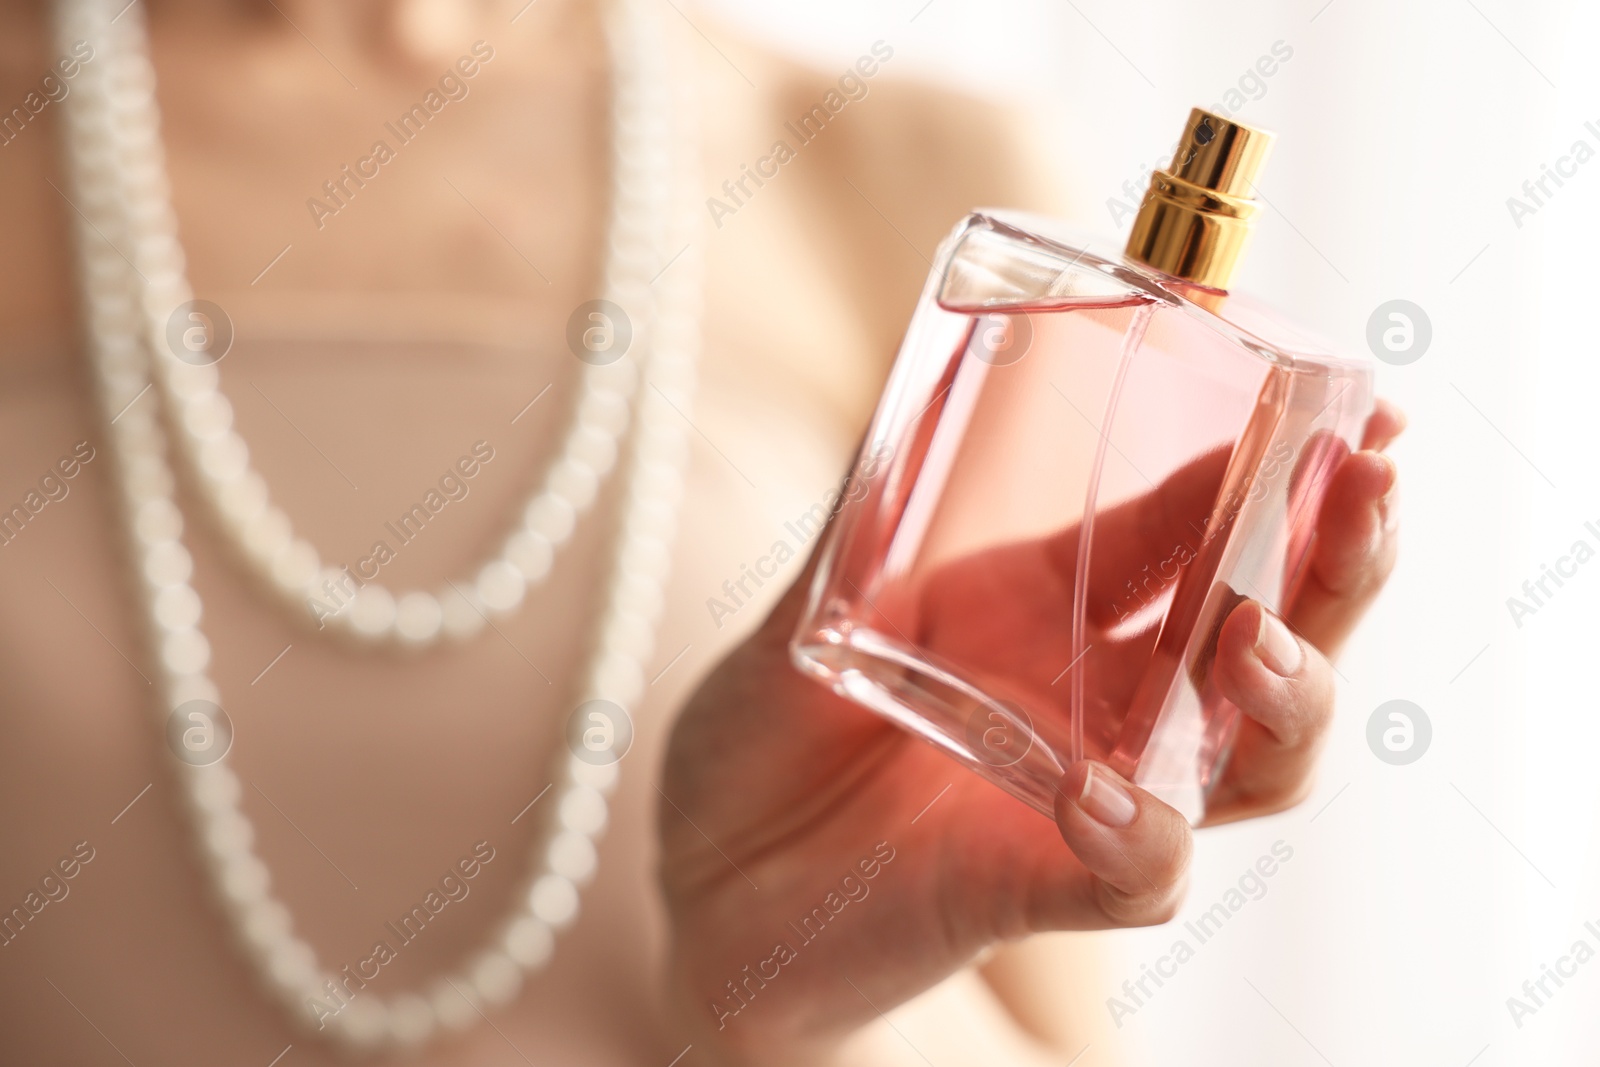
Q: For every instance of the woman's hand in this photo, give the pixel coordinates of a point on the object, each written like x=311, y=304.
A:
x=823, y=866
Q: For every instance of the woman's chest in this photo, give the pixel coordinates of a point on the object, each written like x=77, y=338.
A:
x=365, y=773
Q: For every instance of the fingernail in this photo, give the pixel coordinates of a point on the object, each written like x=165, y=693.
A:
x=1388, y=514
x=1277, y=647
x=1106, y=800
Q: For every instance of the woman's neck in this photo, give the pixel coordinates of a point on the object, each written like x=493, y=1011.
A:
x=398, y=29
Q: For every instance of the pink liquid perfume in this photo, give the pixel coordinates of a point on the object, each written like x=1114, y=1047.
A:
x=1081, y=463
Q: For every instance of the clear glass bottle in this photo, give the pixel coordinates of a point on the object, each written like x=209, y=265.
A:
x=1081, y=463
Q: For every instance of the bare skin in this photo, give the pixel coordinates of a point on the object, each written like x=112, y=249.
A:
x=376, y=772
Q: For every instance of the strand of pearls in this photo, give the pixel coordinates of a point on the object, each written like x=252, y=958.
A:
x=120, y=190
x=262, y=536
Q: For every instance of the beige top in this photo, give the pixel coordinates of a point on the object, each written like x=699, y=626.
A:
x=373, y=354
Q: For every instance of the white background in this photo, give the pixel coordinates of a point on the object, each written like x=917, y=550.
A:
x=1419, y=898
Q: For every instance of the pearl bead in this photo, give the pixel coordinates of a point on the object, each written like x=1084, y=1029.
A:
x=102, y=266
x=162, y=256
x=554, y=900
x=167, y=563
x=330, y=586
x=593, y=447
x=635, y=253
x=176, y=607
x=185, y=651
x=145, y=477
x=639, y=594
x=629, y=634
x=451, y=1006
x=228, y=834
x=111, y=315
x=243, y=879
x=295, y=565
x=663, y=478
x=601, y=777
x=135, y=76
x=572, y=855
x=654, y=514
x=224, y=458
x=373, y=610
x=574, y=481
x=137, y=432
x=551, y=516
x=265, y=923
x=529, y=942
x=214, y=788
x=364, y=1021
x=605, y=412
x=496, y=977
x=268, y=535
x=121, y=363
x=583, y=809
x=187, y=380
x=618, y=677
x=622, y=376
x=243, y=499
x=500, y=586
x=291, y=964
x=157, y=520
x=418, y=617
x=182, y=688
x=461, y=617
x=208, y=416
x=412, y=1019
x=647, y=556
x=531, y=553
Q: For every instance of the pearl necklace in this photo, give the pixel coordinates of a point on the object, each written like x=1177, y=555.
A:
x=117, y=176
x=262, y=536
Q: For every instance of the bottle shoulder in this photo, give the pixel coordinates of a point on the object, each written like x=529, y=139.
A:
x=1000, y=260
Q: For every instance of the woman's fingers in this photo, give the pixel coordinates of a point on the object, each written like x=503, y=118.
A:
x=1135, y=848
x=1356, y=538
x=1353, y=553
x=1284, y=688
x=1144, y=535
x=1384, y=424
x=1277, y=672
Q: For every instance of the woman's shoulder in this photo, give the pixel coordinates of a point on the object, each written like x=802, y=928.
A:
x=859, y=166
x=868, y=127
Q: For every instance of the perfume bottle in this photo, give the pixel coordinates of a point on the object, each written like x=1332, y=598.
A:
x=1082, y=461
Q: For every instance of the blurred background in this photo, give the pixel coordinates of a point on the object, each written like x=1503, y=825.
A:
x=1420, y=896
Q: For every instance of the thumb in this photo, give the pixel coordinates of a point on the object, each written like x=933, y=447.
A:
x=1135, y=847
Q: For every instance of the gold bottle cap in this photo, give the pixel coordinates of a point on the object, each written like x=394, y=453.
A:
x=1197, y=214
